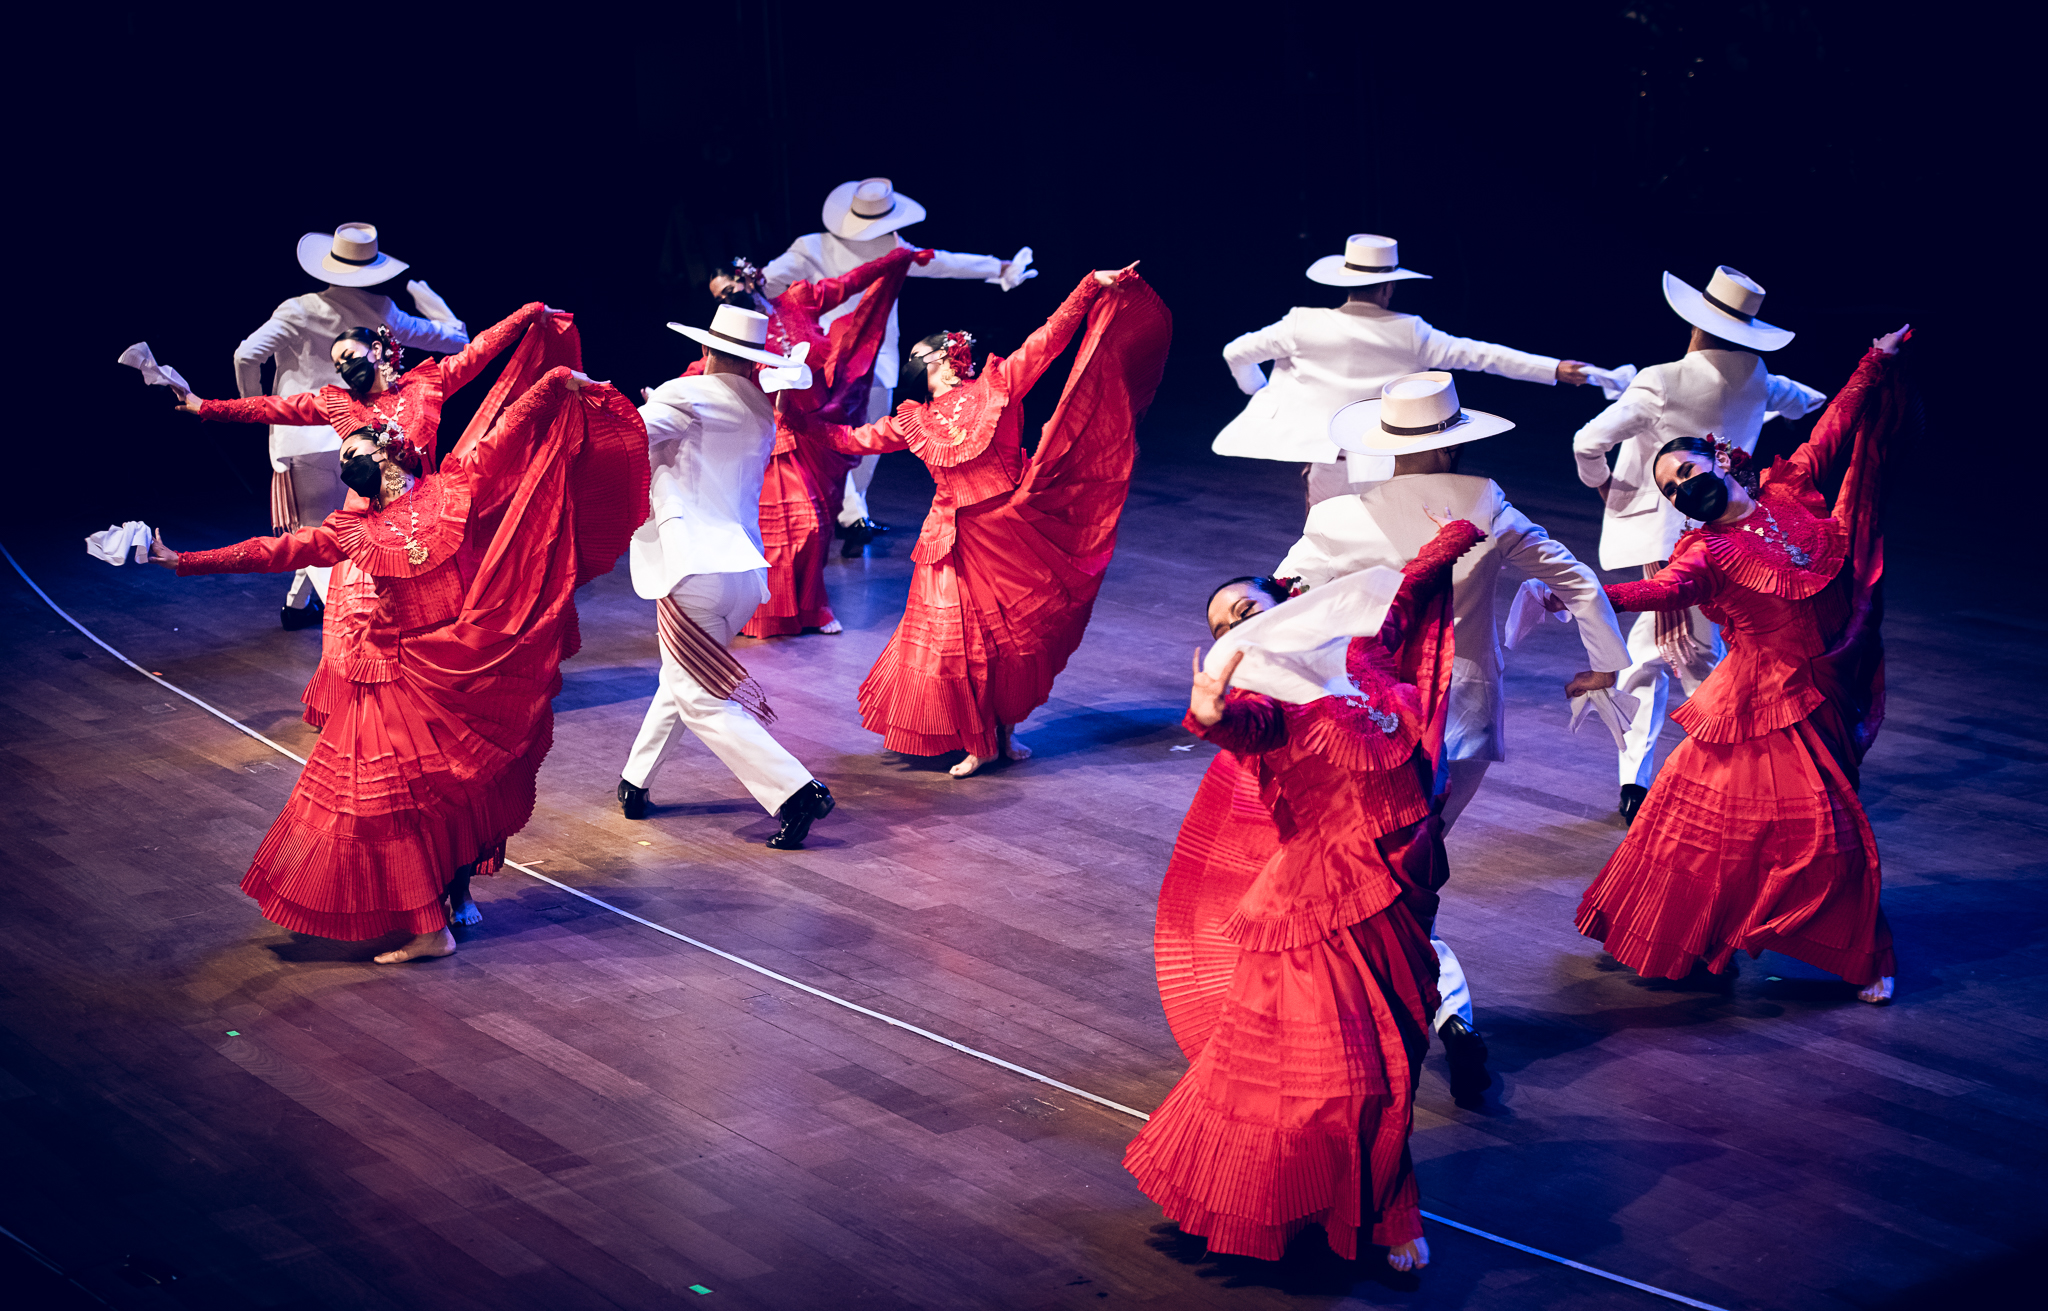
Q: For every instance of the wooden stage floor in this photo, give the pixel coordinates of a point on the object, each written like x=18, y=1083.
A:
x=578, y=1112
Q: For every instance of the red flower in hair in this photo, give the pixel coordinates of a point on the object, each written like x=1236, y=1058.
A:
x=960, y=354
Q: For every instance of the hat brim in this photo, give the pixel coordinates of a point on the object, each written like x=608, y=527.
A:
x=316, y=256
x=1356, y=427
x=1330, y=271
x=842, y=222
x=1690, y=304
x=727, y=346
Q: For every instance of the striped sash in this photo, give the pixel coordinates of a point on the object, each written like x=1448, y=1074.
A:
x=709, y=663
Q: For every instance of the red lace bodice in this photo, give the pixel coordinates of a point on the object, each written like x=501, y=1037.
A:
x=1770, y=582
x=412, y=403
x=972, y=438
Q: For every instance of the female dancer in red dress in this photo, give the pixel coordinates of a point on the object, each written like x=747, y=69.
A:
x=1302, y=986
x=806, y=477
x=1014, y=549
x=374, y=394
x=1753, y=837
x=427, y=762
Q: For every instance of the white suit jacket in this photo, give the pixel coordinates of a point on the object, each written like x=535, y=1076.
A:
x=822, y=255
x=1723, y=393
x=708, y=440
x=1324, y=359
x=1388, y=523
x=300, y=337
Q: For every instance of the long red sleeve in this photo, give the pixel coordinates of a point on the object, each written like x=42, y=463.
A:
x=302, y=408
x=1252, y=723
x=1022, y=370
x=265, y=555
x=1425, y=576
x=827, y=294
x=878, y=438
x=1821, y=455
x=466, y=363
x=1686, y=582
x=507, y=445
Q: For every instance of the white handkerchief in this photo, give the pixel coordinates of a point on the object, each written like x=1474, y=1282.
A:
x=156, y=375
x=1295, y=651
x=1527, y=612
x=1019, y=272
x=788, y=377
x=116, y=544
x=1612, y=382
x=1615, y=709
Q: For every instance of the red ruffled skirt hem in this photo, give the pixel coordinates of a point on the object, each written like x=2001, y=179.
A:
x=1746, y=846
x=793, y=538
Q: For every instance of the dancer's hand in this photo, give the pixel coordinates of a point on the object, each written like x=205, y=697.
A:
x=188, y=403
x=1441, y=518
x=1572, y=371
x=1205, y=698
x=578, y=381
x=1108, y=276
x=1891, y=341
x=1586, y=681
x=161, y=554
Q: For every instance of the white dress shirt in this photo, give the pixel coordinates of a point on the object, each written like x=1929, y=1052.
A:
x=300, y=335
x=820, y=255
x=1324, y=359
x=708, y=438
x=1389, y=523
x=1726, y=394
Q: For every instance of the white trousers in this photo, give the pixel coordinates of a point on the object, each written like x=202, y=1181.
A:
x=317, y=487
x=880, y=400
x=720, y=604
x=1648, y=679
x=1466, y=776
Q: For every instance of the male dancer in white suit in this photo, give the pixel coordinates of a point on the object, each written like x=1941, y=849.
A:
x=862, y=220
x=709, y=437
x=305, y=485
x=1418, y=425
x=1719, y=389
x=1325, y=359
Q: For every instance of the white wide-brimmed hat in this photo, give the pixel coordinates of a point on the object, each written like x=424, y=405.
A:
x=1367, y=259
x=736, y=332
x=1414, y=412
x=348, y=257
x=1727, y=308
x=869, y=208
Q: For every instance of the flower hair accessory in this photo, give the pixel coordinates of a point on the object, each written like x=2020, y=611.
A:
x=743, y=272
x=960, y=354
x=1738, y=459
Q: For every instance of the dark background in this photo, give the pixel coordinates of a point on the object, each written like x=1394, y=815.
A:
x=1545, y=163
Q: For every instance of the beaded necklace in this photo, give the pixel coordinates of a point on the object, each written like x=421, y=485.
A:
x=1776, y=536
x=950, y=422
x=415, y=550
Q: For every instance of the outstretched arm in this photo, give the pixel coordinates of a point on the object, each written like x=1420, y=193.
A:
x=878, y=438
x=1424, y=577
x=302, y=408
x=505, y=448
x=951, y=264
x=1441, y=350
x=828, y=294
x=1024, y=368
x=258, y=555
x=1686, y=582
x=466, y=363
x=1820, y=457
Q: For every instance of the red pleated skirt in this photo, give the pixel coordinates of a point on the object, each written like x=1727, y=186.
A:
x=795, y=513
x=1745, y=846
x=1297, y=1111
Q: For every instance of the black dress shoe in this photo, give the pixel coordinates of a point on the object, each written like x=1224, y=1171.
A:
x=306, y=616
x=1465, y=1053
x=810, y=803
x=632, y=800
x=1631, y=801
x=854, y=537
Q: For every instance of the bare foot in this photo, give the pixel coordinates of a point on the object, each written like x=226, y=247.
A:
x=464, y=912
x=1879, y=993
x=427, y=946
x=1411, y=1255
x=967, y=766
x=1016, y=750
x=832, y=629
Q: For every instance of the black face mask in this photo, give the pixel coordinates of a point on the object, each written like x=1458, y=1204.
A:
x=363, y=474
x=357, y=372
x=1704, y=497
